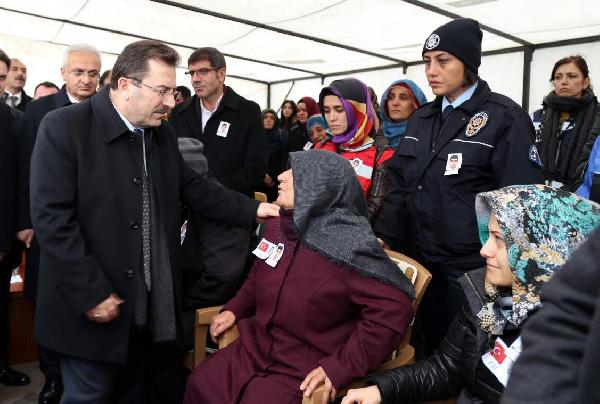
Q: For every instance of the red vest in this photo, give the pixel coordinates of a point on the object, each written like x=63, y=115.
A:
x=362, y=161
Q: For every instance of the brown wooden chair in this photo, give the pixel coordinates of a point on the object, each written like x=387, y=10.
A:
x=260, y=196
x=404, y=355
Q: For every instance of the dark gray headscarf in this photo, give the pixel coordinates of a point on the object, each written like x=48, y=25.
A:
x=192, y=151
x=330, y=217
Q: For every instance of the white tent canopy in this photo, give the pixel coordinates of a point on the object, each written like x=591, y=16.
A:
x=278, y=49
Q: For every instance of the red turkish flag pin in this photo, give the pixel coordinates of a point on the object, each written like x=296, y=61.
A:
x=498, y=353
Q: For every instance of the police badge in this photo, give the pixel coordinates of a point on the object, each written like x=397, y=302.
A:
x=432, y=41
x=476, y=123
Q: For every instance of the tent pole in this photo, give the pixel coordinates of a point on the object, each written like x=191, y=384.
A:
x=527, y=57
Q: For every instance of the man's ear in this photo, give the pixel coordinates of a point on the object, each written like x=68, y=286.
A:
x=123, y=86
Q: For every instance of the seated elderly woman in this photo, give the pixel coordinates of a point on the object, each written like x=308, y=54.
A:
x=528, y=232
x=322, y=304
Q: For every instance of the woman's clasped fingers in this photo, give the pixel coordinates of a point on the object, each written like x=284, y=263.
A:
x=313, y=380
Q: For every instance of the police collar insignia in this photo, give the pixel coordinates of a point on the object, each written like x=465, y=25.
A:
x=476, y=123
x=534, y=155
x=432, y=41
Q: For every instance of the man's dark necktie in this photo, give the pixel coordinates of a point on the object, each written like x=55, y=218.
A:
x=145, y=218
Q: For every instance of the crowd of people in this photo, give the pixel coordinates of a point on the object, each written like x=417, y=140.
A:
x=132, y=200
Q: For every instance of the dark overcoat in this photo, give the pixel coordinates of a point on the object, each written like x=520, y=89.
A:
x=9, y=123
x=560, y=362
x=238, y=160
x=35, y=112
x=86, y=207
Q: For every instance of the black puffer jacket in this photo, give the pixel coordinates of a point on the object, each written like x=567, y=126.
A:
x=456, y=365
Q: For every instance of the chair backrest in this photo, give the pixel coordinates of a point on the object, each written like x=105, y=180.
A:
x=420, y=278
x=260, y=196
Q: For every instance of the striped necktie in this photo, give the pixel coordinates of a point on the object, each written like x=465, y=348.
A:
x=146, y=258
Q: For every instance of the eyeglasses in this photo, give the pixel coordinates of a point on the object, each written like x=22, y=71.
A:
x=92, y=74
x=201, y=72
x=162, y=92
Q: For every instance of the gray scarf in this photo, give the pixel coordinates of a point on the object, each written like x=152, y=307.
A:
x=330, y=217
x=155, y=301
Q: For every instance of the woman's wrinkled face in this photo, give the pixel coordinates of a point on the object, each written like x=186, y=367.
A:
x=268, y=120
x=302, y=113
x=335, y=115
x=494, y=251
x=285, y=197
x=568, y=81
x=317, y=134
x=400, y=104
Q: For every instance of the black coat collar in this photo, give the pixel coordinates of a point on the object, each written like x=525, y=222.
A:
x=107, y=117
x=61, y=99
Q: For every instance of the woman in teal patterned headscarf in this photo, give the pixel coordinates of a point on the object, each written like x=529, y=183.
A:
x=528, y=232
x=541, y=227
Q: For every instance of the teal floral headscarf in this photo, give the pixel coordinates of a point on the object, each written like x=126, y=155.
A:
x=542, y=227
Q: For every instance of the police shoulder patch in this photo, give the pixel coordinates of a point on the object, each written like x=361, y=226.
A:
x=476, y=123
x=534, y=155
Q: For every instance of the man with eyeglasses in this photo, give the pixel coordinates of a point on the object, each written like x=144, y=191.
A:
x=230, y=129
x=80, y=71
x=107, y=183
x=229, y=126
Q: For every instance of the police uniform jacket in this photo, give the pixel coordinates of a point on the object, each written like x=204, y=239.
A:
x=431, y=216
x=86, y=208
x=238, y=159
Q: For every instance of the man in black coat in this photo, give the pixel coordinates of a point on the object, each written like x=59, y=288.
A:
x=80, y=71
x=10, y=119
x=14, y=95
x=560, y=362
x=229, y=126
x=107, y=181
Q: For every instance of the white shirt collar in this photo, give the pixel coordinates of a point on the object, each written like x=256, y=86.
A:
x=17, y=100
x=206, y=110
x=125, y=120
x=72, y=99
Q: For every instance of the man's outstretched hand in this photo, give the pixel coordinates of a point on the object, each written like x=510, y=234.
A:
x=265, y=211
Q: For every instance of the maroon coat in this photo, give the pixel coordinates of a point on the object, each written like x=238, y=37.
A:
x=306, y=312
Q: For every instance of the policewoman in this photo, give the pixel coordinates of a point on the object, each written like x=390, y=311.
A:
x=468, y=140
